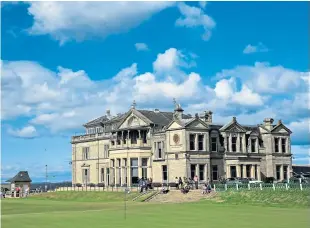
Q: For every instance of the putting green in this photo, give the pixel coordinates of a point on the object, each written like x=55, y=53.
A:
x=56, y=213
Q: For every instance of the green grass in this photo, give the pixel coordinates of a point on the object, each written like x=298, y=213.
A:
x=79, y=210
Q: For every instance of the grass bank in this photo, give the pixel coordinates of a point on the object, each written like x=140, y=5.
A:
x=285, y=198
x=85, y=196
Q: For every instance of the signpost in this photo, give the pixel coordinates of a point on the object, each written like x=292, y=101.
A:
x=126, y=191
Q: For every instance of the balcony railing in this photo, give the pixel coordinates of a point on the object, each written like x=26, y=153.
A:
x=128, y=143
x=86, y=137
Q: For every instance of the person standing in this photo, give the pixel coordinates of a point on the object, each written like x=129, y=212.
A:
x=196, y=181
x=177, y=183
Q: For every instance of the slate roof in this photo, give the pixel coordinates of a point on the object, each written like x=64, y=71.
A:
x=160, y=118
x=96, y=121
x=22, y=176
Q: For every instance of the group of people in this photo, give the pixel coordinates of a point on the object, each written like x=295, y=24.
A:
x=145, y=184
x=186, y=184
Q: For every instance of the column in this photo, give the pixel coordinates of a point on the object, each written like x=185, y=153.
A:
x=252, y=171
x=196, y=141
x=122, y=139
x=207, y=142
x=227, y=171
x=258, y=173
x=244, y=171
x=244, y=144
x=205, y=173
x=238, y=143
x=128, y=173
x=139, y=167
x=139, y=140
x=116, y=178
x=230, y=145
x=281, y=173
x=280, y=146
x=155, y=154
x=197, y=170
x=225, y=142
x=238, y=170
x=249, y=145
x=128, y=139
x=287, y=145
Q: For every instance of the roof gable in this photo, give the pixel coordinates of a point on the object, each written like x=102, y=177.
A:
x=196, y=123
x=137, y=114
x=132, y=121
x=22, y=176
x=233, y=126
x=280, y=128
x=174, y=125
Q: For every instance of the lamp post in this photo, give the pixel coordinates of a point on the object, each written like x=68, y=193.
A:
x=46, y=178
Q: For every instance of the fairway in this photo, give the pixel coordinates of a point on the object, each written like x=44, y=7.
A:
x=53, y=213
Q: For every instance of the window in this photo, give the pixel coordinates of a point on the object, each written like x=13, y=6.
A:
x=248, y=170
x=144, y=162
x=255, y=172
x=85, y=177
x=241, y=168
x=164, y=172
x=159, y=149
x=278, y=172
x=85, y=153
x=233, y=171
x=214, y=172
x=125, y=162
x=234, y=144
x=276, y=145
x=134, y=170
x=253, y=145
x=191, y=142
x=112, y=163
x=97, y=129
x=283, y=142
x=240, y=143
x=227, y=143
x=106, y=151
x=193, y=171
x=200, y=142
x=201, y=172
x=176, y=156
x=133, y=137
x=213, y=144
x=118, y=162
x=285, y=176
x=102, y=175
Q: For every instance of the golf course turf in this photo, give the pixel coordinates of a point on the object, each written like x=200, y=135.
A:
x=78, y=209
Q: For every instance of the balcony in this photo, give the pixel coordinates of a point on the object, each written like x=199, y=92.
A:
x=90, y=137
x=128, y=144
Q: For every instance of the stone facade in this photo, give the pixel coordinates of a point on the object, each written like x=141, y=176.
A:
x=164, y=145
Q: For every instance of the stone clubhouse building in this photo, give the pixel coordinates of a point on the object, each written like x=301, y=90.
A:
x=118, y=150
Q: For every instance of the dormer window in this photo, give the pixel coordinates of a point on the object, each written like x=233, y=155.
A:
x=253, y=145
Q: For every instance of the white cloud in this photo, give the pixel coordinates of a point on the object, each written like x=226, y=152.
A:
x=195, y=17
x=80, y=99
x=141, y=47
x=26, y=132
x=172, y=59
x=66, y=21
x=263, y=78
x=260, y=47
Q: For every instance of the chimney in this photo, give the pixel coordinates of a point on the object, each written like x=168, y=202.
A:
x=108, y=114
x=208, y=116
x=268, y=123
x=234, y=119
x=279, y=122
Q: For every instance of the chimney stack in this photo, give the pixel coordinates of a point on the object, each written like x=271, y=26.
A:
x=268, y=123
x=208, y=116
x=108, y=114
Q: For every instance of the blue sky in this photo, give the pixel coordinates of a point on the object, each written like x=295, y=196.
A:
x=66, y=63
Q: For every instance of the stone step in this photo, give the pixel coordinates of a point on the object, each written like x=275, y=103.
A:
x=177, y=196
